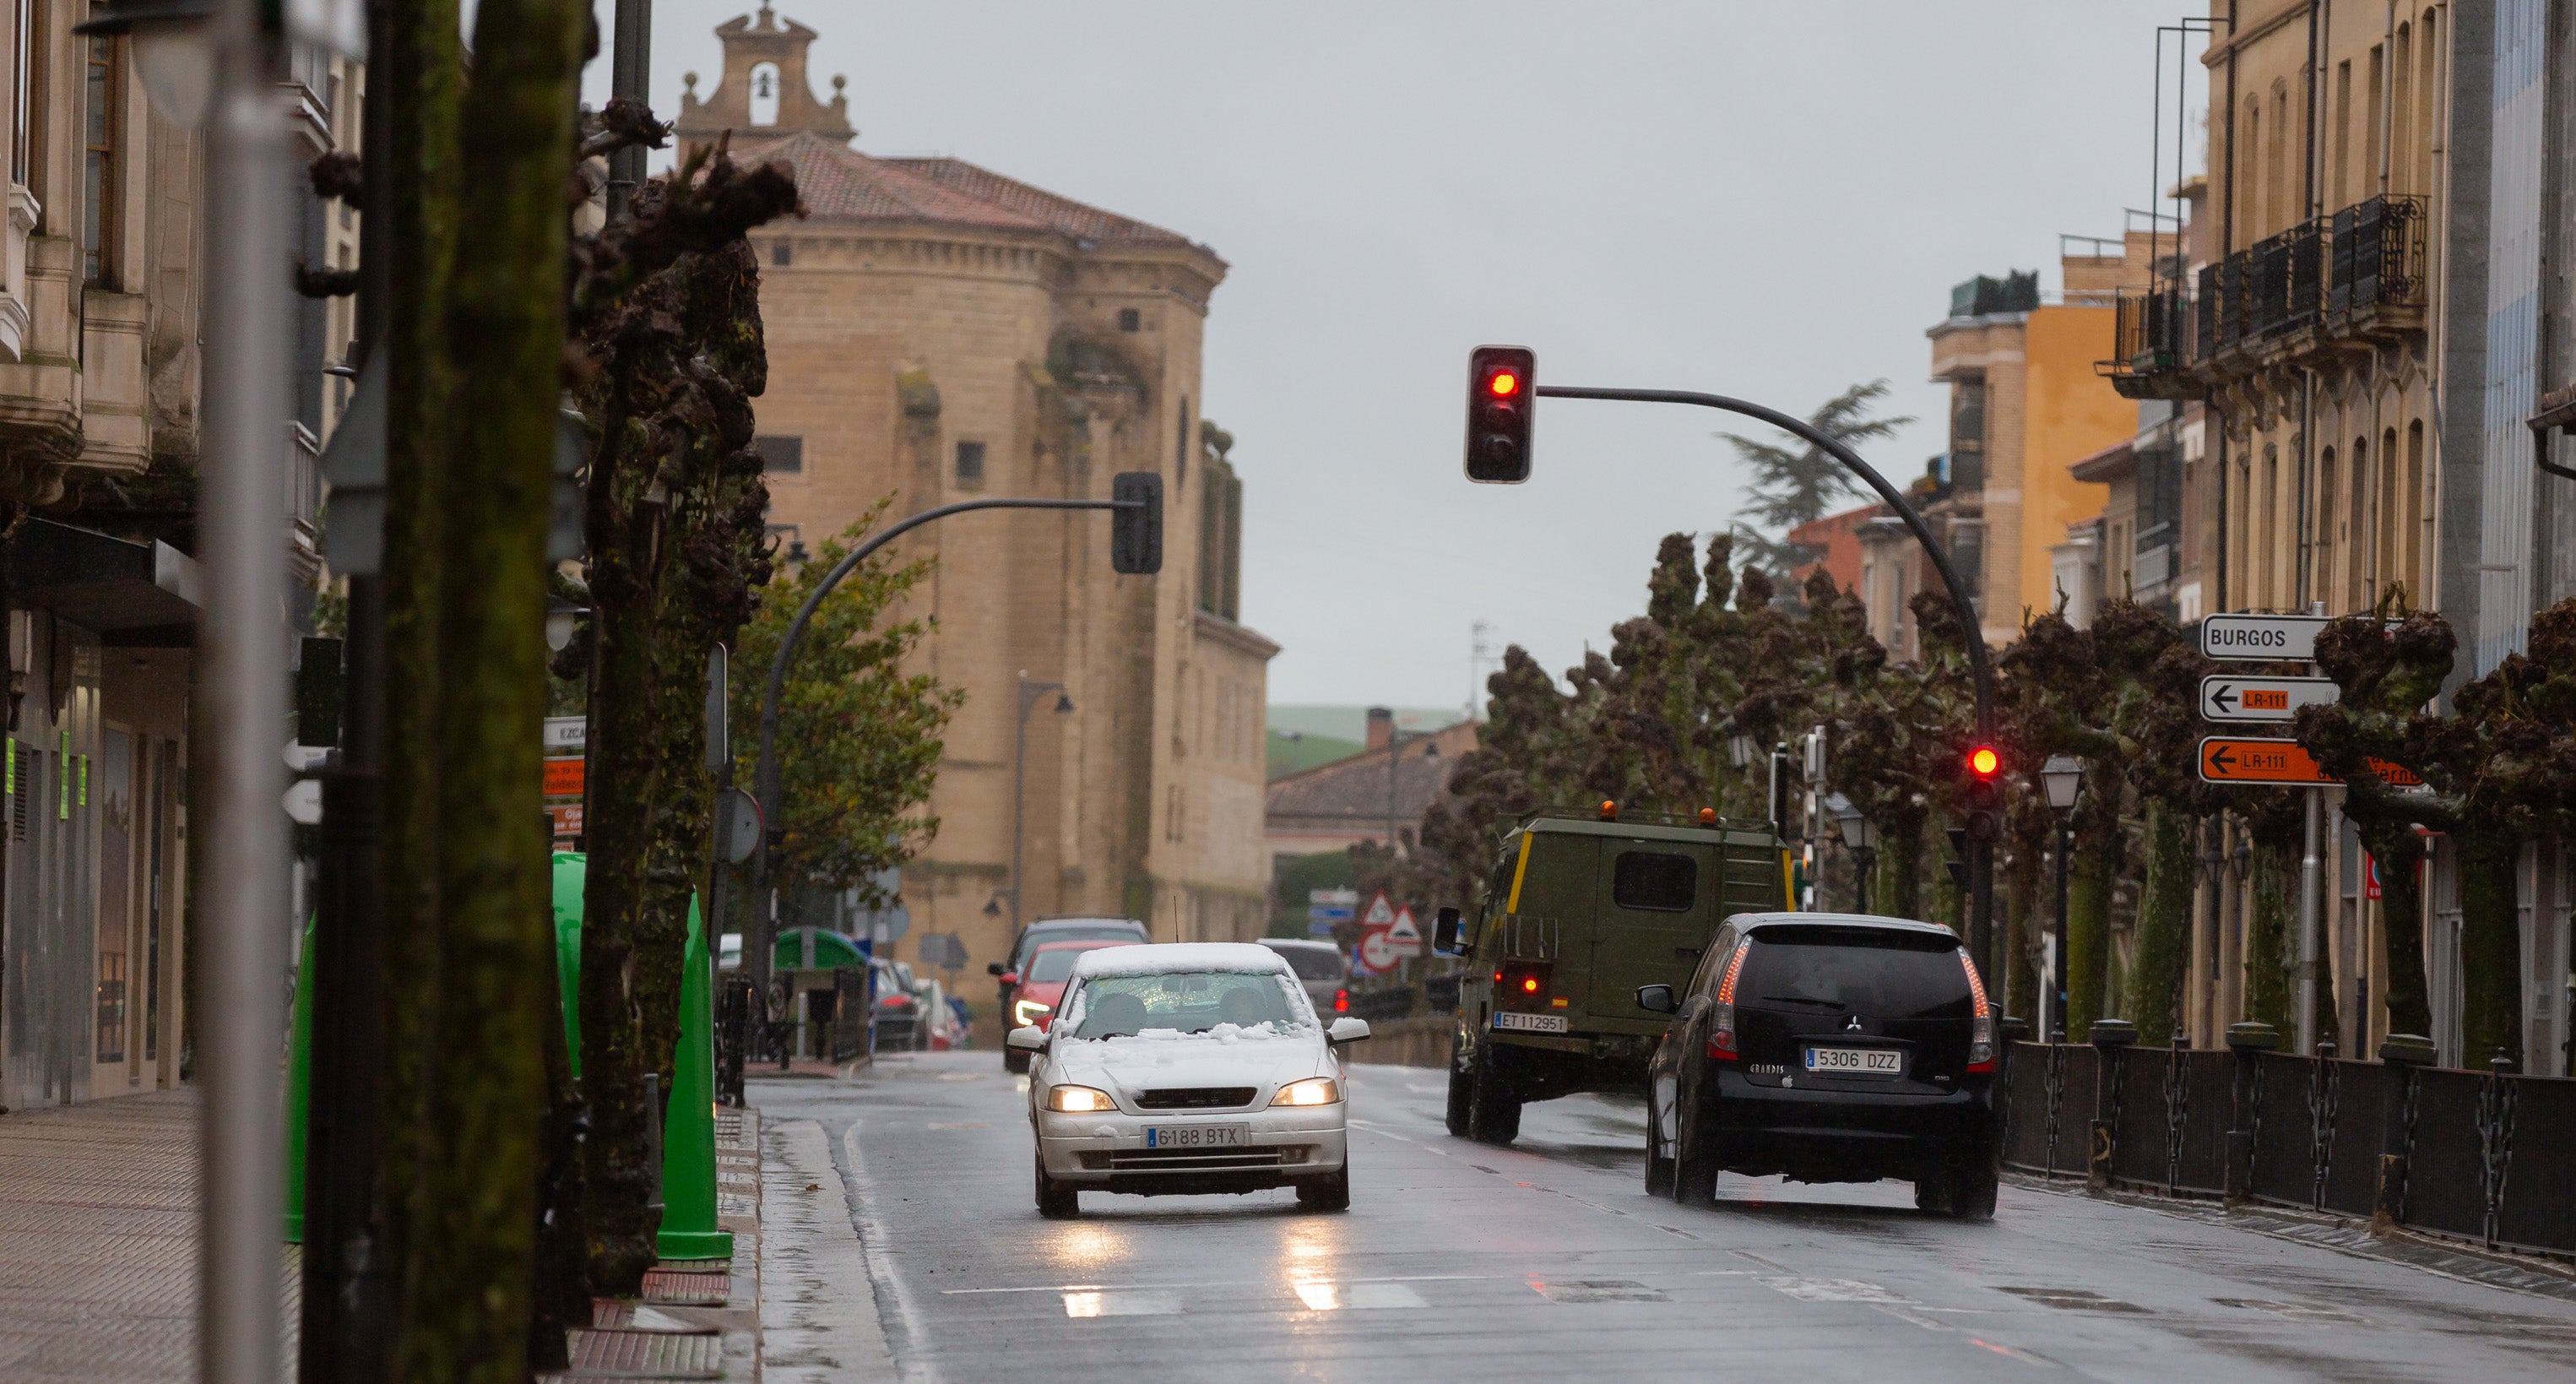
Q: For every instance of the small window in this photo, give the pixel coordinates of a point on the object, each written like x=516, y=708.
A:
x=970, y=463
x=780, y=456
x=1130, y=320
x=1654, y=881
x=782, y=254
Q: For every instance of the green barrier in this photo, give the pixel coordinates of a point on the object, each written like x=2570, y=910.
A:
x=689, y=1229
x=299, y=1083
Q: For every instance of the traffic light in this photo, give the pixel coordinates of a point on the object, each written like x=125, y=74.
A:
x=1958, y=864
x=1500, y=381
x=1136, y=526
x=1984, y=766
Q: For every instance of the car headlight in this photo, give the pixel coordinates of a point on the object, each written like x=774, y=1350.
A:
x=1078, y=1100
x=1027, y=1012
x=1314, y=1090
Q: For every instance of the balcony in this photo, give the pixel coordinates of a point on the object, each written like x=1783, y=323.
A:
x=2346, y=282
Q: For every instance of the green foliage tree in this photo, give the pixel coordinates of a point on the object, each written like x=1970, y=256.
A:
x=859, y=738
x=1793, y=485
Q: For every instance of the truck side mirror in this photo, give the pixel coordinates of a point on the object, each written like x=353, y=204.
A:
x=1657, y=999
x=1446, y=930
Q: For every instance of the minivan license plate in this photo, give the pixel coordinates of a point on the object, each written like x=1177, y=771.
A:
x=1530, y=1023
x=1208, y=1136
x=1856, y=1061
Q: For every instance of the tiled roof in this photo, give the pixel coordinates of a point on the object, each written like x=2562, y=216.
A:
x=839, y=183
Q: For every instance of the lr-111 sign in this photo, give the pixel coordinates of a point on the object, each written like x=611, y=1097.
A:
x=2233, y=759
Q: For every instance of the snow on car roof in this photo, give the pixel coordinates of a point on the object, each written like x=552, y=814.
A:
x=1161, y=957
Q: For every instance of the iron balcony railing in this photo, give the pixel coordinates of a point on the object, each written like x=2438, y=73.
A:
x=2378, y=255
x=2211, y=328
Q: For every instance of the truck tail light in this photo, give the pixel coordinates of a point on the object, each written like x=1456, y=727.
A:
x=1981, y=1028
x=1522, y=984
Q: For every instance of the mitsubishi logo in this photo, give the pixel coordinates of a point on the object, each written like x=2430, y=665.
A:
x=1852, y=1024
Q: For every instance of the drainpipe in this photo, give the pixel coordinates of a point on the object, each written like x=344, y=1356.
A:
x=2388, y=92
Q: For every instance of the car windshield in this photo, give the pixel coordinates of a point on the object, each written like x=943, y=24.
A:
x=1052, y=966
x=1877, y=971
x=1313, y=963
x=1118, y=1006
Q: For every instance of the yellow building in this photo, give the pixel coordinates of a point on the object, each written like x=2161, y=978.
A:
x=938, y=331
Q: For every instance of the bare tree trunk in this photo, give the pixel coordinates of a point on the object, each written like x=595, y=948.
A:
x=2400, y=858
x=466, y=1316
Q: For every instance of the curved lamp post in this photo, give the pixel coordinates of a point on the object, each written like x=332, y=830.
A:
x=765, y=770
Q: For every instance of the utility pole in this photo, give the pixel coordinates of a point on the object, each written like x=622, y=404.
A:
x=630, y=75
x=243, y=681
x=2311, y=902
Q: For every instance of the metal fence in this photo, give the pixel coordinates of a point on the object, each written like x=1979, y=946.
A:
x=2481, y=1155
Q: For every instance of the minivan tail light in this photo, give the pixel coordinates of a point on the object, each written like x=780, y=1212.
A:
x=1341, y=1001
x=1981, y=1028
x=1721, y=1015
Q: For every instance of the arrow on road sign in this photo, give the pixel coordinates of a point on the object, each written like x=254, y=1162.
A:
x=2237, y=760
x=2226, y=697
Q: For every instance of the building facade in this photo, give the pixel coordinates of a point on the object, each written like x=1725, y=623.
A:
x=936, y=332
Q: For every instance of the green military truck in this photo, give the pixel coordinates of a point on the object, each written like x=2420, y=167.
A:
x=1578, y=911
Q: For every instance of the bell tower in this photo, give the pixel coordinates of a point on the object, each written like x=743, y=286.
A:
x=763, y=91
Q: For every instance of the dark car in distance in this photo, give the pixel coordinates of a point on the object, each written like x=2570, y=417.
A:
x=1827, y=1047
x=1046, y=930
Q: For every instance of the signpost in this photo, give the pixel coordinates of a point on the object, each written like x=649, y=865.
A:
x=1375, y=954
x=2265, y=638
x=2225, y=697
x=2245, y=760
x=1325, y=907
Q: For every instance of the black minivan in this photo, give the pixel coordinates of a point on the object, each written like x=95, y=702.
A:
x=1827, y=1047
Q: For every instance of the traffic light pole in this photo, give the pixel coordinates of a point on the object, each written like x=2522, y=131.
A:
x=1981, y=855
x=759, y=939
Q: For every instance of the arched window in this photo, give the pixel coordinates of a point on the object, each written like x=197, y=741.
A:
x=764, y=93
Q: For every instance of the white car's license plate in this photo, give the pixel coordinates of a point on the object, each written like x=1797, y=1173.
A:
x=1856, y=1061
x=1195, y=1136
x=1530, y=1023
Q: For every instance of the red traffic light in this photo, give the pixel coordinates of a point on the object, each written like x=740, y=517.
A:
x=1498, y=413
x=1503, y=384
x=1983, y=761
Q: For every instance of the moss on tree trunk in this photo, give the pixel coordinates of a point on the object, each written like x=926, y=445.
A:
x=2088, y=938
x=2163, y=947
x=2267, y=938
x=2490, y=948
x=2393, y=846
x=465, y=1315
x=2021, y=946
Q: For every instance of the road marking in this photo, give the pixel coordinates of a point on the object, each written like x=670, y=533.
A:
x=1833, y=1290
x=1218, y=1283
x=1596, y=1290
x=1121, y=1304
x=1324, y=1295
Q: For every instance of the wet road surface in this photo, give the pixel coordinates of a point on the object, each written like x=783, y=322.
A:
x=1547, y=1260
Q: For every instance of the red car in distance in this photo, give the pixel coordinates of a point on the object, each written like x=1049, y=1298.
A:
x=1041, y=988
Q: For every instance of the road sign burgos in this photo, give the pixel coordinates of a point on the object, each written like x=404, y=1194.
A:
x=2228, y=759
x=2224, y=697
x=2264, y=637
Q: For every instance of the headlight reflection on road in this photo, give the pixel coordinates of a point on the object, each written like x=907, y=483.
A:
x=1314, y=1251
x=1080, y=1246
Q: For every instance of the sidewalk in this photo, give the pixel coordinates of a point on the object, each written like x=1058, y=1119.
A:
x=98, y=1241
x=98, y=1258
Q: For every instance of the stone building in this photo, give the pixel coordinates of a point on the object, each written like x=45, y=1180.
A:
x=938, y=331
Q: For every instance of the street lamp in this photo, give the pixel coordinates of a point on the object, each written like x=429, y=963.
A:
x=1861, y=839
x=174, y=53
x=1031, y=693
x=2063, y=778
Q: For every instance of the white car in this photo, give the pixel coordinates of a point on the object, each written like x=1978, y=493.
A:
x=1187, y=1068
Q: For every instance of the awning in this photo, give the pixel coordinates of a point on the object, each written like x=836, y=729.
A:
x=814, y=949
x=131, y=594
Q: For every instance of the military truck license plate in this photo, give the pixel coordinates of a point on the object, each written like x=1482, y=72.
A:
x=1856, y=1061
x=1529, y=1023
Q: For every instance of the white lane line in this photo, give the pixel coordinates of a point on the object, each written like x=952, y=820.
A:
x=1221, y=1283
x=888, y=1286
x=1121, y=1304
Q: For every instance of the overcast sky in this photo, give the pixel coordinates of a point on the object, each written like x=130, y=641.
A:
x=1769, y=200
